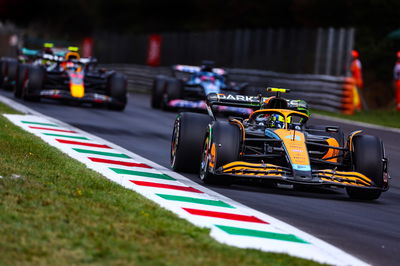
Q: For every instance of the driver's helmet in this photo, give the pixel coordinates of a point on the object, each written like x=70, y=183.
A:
x=48, y=48
x=207, y=66
x=276, y=121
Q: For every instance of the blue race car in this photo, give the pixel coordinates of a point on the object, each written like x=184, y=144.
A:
x=189, y=86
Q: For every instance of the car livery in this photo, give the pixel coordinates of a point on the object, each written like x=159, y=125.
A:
x=190, y=92
x=65, y=75
x=275, y=144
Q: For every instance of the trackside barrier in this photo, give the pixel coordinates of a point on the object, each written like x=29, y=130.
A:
x=348, y=96
x=322, y=92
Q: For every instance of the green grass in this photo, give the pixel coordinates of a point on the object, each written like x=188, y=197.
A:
x=55, y=211
x=389, y=118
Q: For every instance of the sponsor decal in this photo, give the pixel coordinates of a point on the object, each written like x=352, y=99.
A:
x=243, y=98
x=300, y=167
x=50, y=92
x=293, y=137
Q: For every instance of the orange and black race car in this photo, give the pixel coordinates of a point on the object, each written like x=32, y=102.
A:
x=276, y=145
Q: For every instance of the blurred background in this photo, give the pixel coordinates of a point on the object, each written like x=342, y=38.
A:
x=286, y=36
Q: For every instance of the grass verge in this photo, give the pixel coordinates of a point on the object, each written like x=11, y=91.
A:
x=55, y=211
x=388, y=118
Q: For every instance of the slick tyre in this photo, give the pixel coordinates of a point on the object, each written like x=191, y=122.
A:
x=117, y=84
x=157, y=91
x=34, y=83
x=8, y=72
x=187, y=139
x=367, y=158
x=221, y=146
x=12, y=70
x=173, y=90
x=22, y=76
x=3, y=71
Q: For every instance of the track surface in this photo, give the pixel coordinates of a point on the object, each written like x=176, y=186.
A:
x=368, y=230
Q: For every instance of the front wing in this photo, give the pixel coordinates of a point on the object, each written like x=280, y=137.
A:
x=87, y=98
x=325, y=177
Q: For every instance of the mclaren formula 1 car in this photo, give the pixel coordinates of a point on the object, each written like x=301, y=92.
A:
x=72, y=78
x=275, y=144
x=189, y=86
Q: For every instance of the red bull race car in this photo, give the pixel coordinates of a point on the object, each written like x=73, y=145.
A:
x=274, y=144
x=189, y=91
x=64, y=75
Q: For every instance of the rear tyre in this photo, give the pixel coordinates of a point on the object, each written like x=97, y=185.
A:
x=8, y=69
x=367, y=159
x=157, y=91
x=12, y=69
x=221, y=146
x=173, y=90
x=187, y=139
x=3, y=71
x=22, y=76
x=34, y=84
x=117, y=91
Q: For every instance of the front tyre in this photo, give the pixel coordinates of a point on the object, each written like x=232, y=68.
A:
x=187, y=139
x=117, y=90
x=157, y=91
x=221, y=146
x=173, y=91
x=34, y=83
x=367, y=158
x=22, y=75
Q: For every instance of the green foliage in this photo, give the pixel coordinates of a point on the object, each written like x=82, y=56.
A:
x=388, y=118
x=55, y=211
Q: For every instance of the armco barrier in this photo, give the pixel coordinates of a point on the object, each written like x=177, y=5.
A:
x=322, y=92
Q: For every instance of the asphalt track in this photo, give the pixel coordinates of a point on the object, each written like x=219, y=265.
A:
x=367, y=230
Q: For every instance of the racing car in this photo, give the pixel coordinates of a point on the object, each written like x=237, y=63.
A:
x=67, y=76
x=275, y=144
x=11, y=69
x=183, y=92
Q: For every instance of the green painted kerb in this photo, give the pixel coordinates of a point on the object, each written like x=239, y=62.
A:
x=111, y=154
x=262, y=234
x=216, y=203
x=64, y=136
x=37, y=123
x=138, y=173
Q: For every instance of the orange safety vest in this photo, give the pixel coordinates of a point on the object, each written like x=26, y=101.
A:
x=396, y=74
x=357, y=75
x=356, y=72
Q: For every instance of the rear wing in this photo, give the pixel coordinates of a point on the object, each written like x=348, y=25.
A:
x=244, y=101
x=194, y=69
x=251, y=102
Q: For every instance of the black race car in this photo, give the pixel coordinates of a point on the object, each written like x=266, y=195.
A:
x=72, y=78
x=275, y=144
x=11, y=68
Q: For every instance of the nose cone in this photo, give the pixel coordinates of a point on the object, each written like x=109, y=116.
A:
x=77, y=90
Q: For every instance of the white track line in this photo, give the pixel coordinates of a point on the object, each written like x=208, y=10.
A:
x=316, y=249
